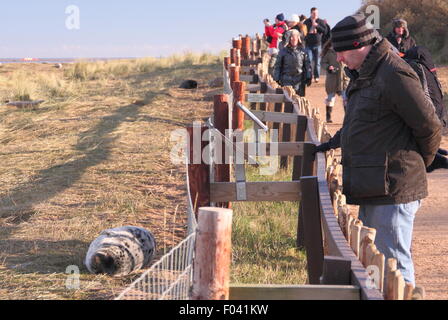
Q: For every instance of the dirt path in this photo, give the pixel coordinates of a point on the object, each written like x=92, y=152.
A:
x=430, y=246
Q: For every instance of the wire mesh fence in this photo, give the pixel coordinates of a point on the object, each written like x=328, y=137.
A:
x=168, y=279
x=171, y=277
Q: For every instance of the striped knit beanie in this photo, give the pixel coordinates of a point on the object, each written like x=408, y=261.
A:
x=353, y=32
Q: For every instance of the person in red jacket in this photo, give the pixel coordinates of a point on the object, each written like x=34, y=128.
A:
x=274, y=34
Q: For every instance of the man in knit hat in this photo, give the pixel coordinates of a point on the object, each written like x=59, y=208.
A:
x=390, y=135
x=400, y=36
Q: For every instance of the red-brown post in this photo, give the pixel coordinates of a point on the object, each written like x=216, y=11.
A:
x=227, y=62
x=239, y=89
x=238, y=58
x=234, y=75
x=198, y=170
x=211, y=269
x=237, y=44
x=233, y=55
x=221, y=122
x=245, y=51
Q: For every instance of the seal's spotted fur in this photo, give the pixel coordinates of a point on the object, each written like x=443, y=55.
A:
x=120, y=251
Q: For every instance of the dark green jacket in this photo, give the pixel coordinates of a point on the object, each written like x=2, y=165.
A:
x=390, y=132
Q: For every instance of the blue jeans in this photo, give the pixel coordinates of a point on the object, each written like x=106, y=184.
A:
x=315, y=58
x=393, y=224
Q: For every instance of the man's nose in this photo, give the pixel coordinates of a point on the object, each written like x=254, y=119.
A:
x=339, y=57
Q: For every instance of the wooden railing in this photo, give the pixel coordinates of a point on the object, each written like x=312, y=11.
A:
x=343, y=261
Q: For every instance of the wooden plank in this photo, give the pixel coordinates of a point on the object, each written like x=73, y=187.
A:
x=286, y=136
x=198, y=170
x=391, y=267
x=275, y=149
x=257, y=191
x=253, y=87
x=398, y=286
x=356, y=237
x=312, y=228
x=246, y=63
x=247, y=69
x=246, y=78
x=276, y=117
x=336, y=271
x=283, y=292
x=221, y=123
x=268, y=98
x=302, y=124
x=367, y=236
x=408, y=291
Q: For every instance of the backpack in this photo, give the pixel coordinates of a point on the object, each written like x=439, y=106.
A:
x=419, y=58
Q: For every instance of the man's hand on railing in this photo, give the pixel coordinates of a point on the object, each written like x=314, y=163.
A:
x=324, y=147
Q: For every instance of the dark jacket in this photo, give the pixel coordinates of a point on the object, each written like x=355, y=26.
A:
x=315, y=39
x=390, y=132
x=406, y=43
x=336, y=81
x=292, y=67
x=419, y=58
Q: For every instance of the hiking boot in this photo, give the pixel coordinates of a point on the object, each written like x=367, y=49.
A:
x=329, y=111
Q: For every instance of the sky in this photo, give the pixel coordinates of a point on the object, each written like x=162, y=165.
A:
x=137, y=28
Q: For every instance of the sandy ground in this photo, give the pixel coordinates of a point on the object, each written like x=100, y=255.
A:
x=430, y=244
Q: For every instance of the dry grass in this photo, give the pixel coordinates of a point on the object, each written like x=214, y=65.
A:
x=264, y=238
x=86, y=160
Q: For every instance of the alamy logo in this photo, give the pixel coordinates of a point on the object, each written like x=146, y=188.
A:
x=73, y=21
x=373, y=16
x=72, y=281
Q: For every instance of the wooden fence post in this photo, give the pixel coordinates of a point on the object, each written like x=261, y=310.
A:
x=221, y=122
x=245, y=50
x=237, y=43
x=234, y=56
x=286, y=136
x=234, y=75
x=239, y=90
x=312, y=228
x=302, y=125
x=227, y=63
x=278, y=107
x=211, y=267
x=198, y=170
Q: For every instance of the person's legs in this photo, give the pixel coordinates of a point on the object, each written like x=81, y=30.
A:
x=330, y=101
x=317, y=56
x=394, y=225
x=309, y=51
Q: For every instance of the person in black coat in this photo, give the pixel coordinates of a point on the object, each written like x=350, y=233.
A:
x=293, y=67
x=400, y=36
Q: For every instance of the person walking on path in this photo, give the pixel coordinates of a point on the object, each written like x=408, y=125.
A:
x=400, y=36
x=389, y=137
x=336, y=81
x=293, y=65
x=295, y=23
x=317, y=28
x=274, y=34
